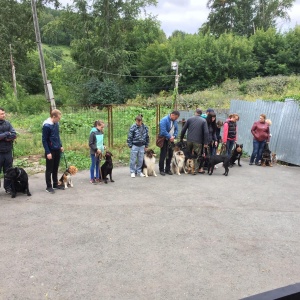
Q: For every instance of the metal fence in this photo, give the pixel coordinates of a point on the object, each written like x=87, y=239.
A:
x=285, y=128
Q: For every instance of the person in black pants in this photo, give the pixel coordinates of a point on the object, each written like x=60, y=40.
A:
x=168, y=128
x=53, y=147
x=7, y=136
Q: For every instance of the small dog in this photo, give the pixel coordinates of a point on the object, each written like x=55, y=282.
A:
x=266, y=157
x=274, y=159
x=66, y=178
x=190, y=166
x=19, y=181
x=149, y=163
x=106, y=168
x=178, y=162
x=215, y=159
x=236, y=155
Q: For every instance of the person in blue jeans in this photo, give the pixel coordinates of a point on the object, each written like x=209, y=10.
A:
x=230, y=132
x=96, y=144
x=261, y=135
x=138, y=141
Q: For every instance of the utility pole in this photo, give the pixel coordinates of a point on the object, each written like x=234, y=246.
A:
x=47, y=83
x=174, y=66
x=13, y=70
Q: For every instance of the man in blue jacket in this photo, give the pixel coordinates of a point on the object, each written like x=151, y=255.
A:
x=7, y=136
x=168, y=128
x=53, y=147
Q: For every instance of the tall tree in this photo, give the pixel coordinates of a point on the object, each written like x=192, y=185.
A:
x=243, y=17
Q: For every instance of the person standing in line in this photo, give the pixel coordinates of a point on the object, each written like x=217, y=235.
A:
x=261, y=135
x=168, y=128
x=96, y=144
x=212, y=130
x=230, y=132
x=7, y=136
x=53, y=148
x=138, y=142
x=197, y=136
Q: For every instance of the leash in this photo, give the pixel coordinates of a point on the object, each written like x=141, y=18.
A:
x=65, y=159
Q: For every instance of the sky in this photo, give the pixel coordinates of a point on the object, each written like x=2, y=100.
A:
x=189, y=15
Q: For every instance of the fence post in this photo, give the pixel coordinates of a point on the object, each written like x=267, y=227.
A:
x=157, y=119
x=110, y=126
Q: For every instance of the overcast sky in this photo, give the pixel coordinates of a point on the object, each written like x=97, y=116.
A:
x=189, y=15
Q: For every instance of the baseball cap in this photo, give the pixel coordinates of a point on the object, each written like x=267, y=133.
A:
x=209, y=110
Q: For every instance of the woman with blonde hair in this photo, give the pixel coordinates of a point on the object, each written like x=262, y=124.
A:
x=261, y=135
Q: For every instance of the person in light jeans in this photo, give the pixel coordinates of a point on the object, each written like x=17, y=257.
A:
x=138, y=141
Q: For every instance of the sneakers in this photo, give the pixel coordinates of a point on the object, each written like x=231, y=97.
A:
x=251, y=164
x=92, y=181
x=169, y=173
x=142, y=175
x=58, y=187
x=162, y=173
x=132, y=175
x=50, y=190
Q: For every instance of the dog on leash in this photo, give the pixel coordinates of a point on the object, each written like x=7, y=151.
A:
x=266, y=159
x=66, y=178
x=236, y=155
x=19, y=181
x=216, y=159
x=149, y=163
x=178, y=162
x=190, y=166
x=107, y=167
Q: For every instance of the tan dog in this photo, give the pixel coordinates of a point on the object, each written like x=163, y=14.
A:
x=178, y=162
x=66, y=178
x=190, y=166
x=149, y=163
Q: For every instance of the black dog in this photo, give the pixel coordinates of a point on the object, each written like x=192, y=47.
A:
x=19, y=181
x=215, y=159
x=106, y=168
x=236, y=155
x=266, y=156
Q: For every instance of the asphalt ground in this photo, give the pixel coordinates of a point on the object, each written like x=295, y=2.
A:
x=171, y=237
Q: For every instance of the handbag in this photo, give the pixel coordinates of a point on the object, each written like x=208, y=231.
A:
x=160, y=141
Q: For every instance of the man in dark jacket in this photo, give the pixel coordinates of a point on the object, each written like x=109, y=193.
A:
x=138, y=141
x=53, y=147
x=168, y=128
x=197, y=135
x=7, y=136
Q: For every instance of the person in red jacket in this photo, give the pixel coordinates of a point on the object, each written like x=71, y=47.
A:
x=261, y=135
x=230, y=132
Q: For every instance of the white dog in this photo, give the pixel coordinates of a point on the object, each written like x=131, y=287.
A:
x=149, y=163
x=177, y=162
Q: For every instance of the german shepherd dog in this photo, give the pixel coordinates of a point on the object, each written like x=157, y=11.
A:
x=266, y=159
x=215, y=159
x=236, y=155
x=19, y=181
x=107, y=167
x=149, y=163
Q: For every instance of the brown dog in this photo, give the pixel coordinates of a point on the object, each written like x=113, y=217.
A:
x=66, y=178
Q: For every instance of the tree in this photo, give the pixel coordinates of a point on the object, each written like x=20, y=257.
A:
x=244, y=17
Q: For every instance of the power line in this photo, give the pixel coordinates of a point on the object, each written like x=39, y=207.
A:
x=107, y=73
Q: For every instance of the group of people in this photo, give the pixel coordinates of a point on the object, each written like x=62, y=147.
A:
x=203, y=135
x=203, y=138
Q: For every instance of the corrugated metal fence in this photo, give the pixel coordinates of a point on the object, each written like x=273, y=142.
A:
x=285, y=129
